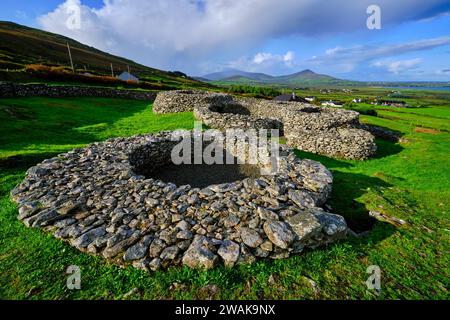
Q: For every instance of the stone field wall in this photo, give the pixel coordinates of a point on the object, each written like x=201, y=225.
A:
x=10, y=90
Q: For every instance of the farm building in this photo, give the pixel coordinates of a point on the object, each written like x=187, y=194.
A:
x=125, y=76
x=289, y=97
x=331, y=104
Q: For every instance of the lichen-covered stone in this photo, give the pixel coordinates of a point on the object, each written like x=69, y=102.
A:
x=229, y=252
x=199, y=255
x=279, y=233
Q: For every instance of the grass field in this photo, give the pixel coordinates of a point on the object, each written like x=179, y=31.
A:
x=408, y=180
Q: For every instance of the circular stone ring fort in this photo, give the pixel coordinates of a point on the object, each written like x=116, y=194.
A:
x=327, y=131
x=124, y=200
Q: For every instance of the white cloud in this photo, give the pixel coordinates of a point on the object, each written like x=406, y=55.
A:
x=265, y=62
x=262, y=57
x=398, y=66
x=269, y=58
x=179, y=33
x=347, y=58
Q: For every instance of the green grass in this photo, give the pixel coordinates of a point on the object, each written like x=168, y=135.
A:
x=409, y=180
x=55, y=125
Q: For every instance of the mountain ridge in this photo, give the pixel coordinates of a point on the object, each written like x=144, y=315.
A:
x=242, y=77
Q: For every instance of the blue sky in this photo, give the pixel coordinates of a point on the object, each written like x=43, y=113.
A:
x=275, y=37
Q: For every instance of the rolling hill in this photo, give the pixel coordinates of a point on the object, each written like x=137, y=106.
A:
x=234, y=73
x=302, y=78
x=21, y=46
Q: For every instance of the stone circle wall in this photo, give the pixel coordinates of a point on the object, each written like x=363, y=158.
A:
x=186, y=100
x=327, y=131
x=342, y=143
x=212, y=117
x=10, y=90
x=93, y=199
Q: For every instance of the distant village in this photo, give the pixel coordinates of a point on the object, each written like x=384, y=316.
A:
x=340, y=104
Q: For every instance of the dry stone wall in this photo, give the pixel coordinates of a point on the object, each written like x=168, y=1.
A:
x=186, y=100
x=10, y=90
x=327, y=131
x=93, y=199
x=219, y=117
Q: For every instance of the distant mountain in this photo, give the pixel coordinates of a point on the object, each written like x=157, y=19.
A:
x=232, y=73
x=305, y=77
x=21, y=46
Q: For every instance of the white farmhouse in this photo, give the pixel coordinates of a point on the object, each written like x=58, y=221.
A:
x=125, y=76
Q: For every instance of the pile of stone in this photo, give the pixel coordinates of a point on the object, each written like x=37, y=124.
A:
x=327, y=131
x=94, y=199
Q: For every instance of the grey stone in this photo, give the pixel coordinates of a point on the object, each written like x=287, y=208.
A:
x=266, y=214
x=231, y=221
x=229, y=252
x=97, y=187
x=279, y=233
x=302, y=198
x=28, y=209
x=169, y=253
x=137, y=251
x=304, y=224
x=251, y=237
x=334, y=226
x=198, y=255
x=156, y=248
x=120, y=247
x=87, y=238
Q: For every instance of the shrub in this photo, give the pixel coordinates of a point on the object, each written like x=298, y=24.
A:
x=255, y=91
x=362, y=109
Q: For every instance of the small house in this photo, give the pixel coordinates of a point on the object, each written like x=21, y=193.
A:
x=126, y=76
x=331, y=104
x=289, y=97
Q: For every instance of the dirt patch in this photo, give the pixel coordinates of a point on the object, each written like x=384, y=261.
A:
x=203, y=175
x=426, y=130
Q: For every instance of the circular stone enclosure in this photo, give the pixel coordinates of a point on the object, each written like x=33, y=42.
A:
x=94, y=199
x=327, y=131
x=195, y=172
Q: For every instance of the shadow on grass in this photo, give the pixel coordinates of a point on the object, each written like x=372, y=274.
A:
x=345, y=200
x=330, y=163
x=50, y=121
x=387, y=148
x=24, y=161
x=349, y=188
